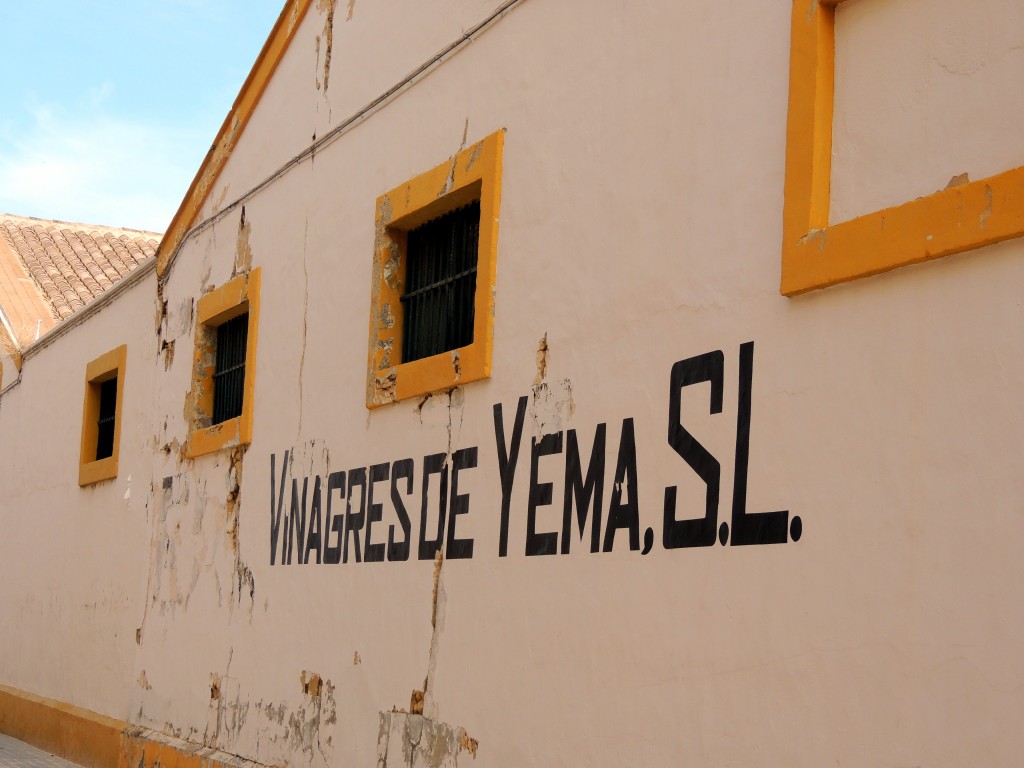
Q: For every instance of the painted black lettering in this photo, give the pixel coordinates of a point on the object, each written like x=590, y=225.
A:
x=433, y=465
x=297, y=536
x=314, y=541
x=545, y=543
x=507, y=459
x=275, y=512
x=374, y=513
x=624, y=515
x=399, y=550
x=354, y=521
x=335, y=523
x=459, y=548
x=581, y=492
x=701, y=531
x=750, y=527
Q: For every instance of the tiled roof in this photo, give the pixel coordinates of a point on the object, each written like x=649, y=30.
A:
x=72, y=264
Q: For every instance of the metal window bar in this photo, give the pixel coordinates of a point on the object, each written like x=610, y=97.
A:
x=105, y=422
x=440, y=280
x=229, y=371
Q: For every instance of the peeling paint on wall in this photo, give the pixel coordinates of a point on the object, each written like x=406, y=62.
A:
x=542, y=361
x=244, y=580
x=243, y=250
x=327, y=6
x=552, y=406
x=415, y=741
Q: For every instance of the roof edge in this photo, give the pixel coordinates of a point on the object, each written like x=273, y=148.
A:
x=82, y=226
x=126, y=283
x=234, y=124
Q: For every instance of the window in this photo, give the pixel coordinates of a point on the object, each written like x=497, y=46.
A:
x=440, y=284
x=107, y=417
x=815, y=253
x=432, y=309
x=101, y=417
x=220, y=405
x=229, y=377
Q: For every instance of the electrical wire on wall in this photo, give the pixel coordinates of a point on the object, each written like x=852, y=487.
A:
x=348, y=123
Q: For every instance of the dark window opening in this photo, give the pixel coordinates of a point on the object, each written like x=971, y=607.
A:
x=105, y=423
x=440, y=283
x=229, y=374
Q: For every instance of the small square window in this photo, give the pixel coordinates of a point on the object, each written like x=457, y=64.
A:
x=101, y=417
x=432, y=310
x=224, y=369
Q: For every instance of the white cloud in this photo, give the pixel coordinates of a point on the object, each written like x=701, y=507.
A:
x=95, y=167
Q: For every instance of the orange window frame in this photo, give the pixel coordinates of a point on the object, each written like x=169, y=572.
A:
x=816, y=254
x=472, y=174
x=104, y=368
x=240, y=294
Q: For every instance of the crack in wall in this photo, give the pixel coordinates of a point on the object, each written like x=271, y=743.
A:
x=328, y=37
x=305, y=321
x=244, y=580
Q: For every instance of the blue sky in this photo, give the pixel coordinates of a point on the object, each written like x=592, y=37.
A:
x=109, y=107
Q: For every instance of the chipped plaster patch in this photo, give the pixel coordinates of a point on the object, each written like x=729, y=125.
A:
x=551, y=406
x=327, y=6
x=415, y=741
x=385, y=386
x=958, y=180
x=167, y=349
x=542, y=361
x=983, y=218
x=243, y=250
x=473, y=157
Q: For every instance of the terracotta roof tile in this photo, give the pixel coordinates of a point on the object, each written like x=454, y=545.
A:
x=72, y=264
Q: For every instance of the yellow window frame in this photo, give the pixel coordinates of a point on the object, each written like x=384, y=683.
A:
x=472, y=174
x=104, y=368
x=238, y=295
x=816, y=254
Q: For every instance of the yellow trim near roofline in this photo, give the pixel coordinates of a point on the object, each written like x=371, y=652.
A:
x=230, y=131
x=816, y=254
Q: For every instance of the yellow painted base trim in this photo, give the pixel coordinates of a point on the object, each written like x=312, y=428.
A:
x=76, y=734
x=97, y=741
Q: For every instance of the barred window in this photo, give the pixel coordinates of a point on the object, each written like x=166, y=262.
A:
x=440, y=280
x=229, y=375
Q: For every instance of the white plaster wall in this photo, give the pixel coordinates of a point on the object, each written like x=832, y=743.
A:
x=640, y=226
x=925, y=90
x=74, y=560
